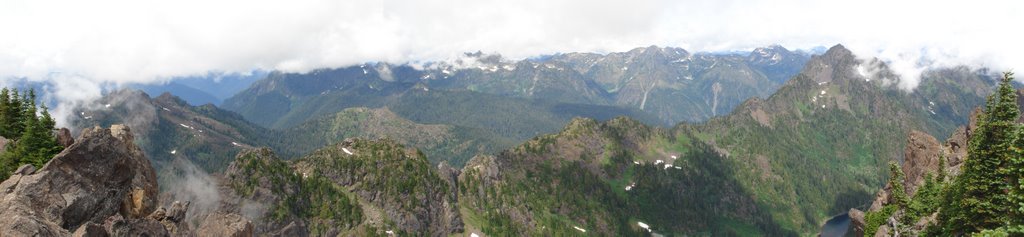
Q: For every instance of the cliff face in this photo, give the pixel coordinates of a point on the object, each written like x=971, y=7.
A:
x=98, y=186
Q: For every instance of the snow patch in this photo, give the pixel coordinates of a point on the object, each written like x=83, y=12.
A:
x=630, y=186
x=579, y=229
x=174, y=152
x=636, y=162
x=165, y=109
x=675, y=157
x=346, y=150
x=107, y=105
x=185, y=126
x=658, y=162
x=474, y=235
x=644, y=225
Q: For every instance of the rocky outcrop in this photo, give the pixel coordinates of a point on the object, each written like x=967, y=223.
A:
x=857, y=221
x=103, y=175
x=64, y=137
x=101, y=185
x=920, y=158
x=226, y=225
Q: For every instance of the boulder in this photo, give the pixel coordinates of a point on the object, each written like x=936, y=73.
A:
x=102, y=175
x=226, y=225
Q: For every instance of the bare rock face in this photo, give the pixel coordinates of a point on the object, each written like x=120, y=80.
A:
x=226, y=225
x=920, y=158
x=857, y=221
x=103, y=175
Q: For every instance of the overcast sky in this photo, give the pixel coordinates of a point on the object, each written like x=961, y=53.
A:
x=83, y=45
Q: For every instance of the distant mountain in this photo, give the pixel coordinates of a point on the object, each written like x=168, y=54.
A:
x=200, y=90
x=778, y=165
x=166, y=127
x=671, y=84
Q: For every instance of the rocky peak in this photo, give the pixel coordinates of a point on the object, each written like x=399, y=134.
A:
x=770, y=55
x=100, y=185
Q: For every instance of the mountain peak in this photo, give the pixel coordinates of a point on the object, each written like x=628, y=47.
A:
x=837, y=51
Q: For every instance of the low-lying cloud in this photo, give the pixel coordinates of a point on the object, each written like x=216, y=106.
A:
x=83, y=47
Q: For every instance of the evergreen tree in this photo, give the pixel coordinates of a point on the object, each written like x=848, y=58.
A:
x=5, y=116
x=33, y=141
x=1015, y=174
x=978, y=198
x=898, y=193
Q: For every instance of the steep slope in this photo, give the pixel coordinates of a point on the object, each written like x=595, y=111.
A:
x=615, y=178
x=819, y=145
x=168, y=128
x=357, y=187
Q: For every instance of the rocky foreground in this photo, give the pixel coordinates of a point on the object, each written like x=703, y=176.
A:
x=100, y=185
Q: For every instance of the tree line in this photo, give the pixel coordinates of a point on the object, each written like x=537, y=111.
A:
x=28, y=129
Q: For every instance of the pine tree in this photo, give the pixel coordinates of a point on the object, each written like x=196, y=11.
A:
x=36, y=143
x=977, y=199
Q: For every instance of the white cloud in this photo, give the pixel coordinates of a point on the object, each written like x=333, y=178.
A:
x=118, y=41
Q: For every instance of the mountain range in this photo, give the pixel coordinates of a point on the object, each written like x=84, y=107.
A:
x=786, y=140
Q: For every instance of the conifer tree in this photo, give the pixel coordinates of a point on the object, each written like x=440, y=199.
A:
x=898, y=193
x=977, y=199
x=34, y=143
x=5, y=116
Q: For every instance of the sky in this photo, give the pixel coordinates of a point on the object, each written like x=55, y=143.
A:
x=82, y=47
